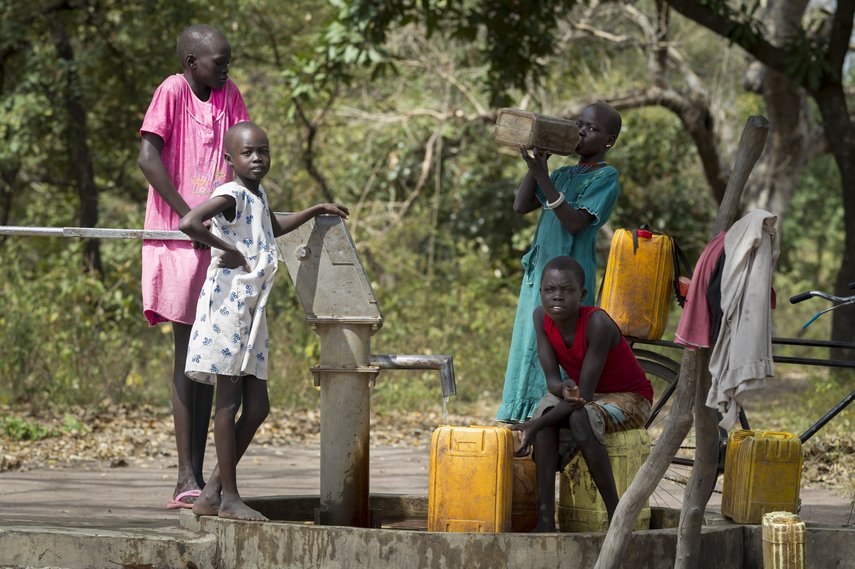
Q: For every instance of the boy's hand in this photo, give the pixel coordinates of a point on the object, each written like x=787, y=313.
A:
x=234, y=260
x=335, y=209
x=570, y=392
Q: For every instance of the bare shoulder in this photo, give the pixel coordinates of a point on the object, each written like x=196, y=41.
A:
x=537, y=316
x=601, y=327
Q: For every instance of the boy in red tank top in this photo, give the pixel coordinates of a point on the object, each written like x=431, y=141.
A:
x=606, y=389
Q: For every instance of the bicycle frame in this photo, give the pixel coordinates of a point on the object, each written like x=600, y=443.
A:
x=822, y=362
x=665, y=371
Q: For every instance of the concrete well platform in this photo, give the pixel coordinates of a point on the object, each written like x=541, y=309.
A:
x=92, y=516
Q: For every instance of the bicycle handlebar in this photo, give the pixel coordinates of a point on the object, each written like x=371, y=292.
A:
x=800, y=297
x=830, y=297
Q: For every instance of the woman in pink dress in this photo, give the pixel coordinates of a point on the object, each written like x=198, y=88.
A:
x=182, y=158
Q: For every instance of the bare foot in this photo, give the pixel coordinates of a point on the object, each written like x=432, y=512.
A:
x=525, y=439
x=238, y=510
x=208, y=503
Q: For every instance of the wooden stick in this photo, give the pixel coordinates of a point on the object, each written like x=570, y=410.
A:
x=694, y=364
x=750, y=148
x=704, y=472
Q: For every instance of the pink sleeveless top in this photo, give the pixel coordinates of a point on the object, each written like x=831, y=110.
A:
x=621, y=372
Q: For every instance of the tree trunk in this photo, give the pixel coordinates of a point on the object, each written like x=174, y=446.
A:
x=789, y=147
x=841, y=135
x=79, y=158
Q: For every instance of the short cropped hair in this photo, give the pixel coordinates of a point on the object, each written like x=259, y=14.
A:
x=564, y=263
x=612, y=118
x=193, y=37
x=235, y=129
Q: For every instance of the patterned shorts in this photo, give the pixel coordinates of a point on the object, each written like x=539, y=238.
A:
x=608, y=413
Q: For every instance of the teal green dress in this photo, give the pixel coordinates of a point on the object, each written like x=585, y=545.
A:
x=595, y=192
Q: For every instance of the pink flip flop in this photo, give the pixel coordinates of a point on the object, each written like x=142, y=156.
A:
x=176, y=502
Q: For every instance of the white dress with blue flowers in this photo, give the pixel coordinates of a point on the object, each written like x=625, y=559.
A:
x=229, y=335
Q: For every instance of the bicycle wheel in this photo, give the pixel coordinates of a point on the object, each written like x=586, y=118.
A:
x=663, y=372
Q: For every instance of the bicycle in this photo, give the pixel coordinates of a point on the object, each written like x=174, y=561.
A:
x=663, y=373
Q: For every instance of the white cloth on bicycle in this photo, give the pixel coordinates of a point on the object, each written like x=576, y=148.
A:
x=741, y=359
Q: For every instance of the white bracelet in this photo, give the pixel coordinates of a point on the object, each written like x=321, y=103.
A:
x=556, y=203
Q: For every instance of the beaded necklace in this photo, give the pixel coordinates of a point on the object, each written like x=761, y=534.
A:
x=566, y=176
x=584, y=167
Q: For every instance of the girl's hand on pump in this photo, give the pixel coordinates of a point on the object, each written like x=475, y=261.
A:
x=335, y=209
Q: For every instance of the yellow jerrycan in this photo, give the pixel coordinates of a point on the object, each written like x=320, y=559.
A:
x=580, y=506
x=762, y=474
x=470, y=480
x=638, y=282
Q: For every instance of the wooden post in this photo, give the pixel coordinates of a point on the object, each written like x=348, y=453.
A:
x=704, y=473
x=694, y=364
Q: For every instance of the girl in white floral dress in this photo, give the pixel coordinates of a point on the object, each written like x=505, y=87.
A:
x=229, y=344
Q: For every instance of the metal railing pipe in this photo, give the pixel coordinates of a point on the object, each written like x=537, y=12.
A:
x=92, y=232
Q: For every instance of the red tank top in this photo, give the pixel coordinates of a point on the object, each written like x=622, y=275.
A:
x=621, y=372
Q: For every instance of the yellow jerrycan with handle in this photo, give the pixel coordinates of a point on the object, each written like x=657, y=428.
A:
x=762, y=474
x=642, y=272
x=470, y=482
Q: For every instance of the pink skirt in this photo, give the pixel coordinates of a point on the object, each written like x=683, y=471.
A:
x=173, y=273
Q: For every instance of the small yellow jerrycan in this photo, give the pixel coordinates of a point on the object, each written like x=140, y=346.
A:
x=470, y=480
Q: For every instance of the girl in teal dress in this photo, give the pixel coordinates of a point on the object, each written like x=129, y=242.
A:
x=575, y=202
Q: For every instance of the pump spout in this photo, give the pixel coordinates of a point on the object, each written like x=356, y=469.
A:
x=445, y=365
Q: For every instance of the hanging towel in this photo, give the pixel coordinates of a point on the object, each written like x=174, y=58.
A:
x=741, y=359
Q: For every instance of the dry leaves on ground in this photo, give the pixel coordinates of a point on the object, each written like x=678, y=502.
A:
x=117, y=434
x=830, y=462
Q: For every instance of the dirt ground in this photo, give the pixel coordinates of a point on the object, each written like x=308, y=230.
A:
x=115, y=436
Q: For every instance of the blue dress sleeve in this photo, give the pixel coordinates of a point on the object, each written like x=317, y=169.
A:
x=598, y=195
x=538, y=193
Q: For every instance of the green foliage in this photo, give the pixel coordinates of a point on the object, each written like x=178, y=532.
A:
x=514, y=36
x=67, y=337
x=73, y=425
x=806, y=57
x=661, y=188
x=813, y=232
x=21, y=430
x=464, y=308
x=745, y=29
x=385, y=88
x=339, y=51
